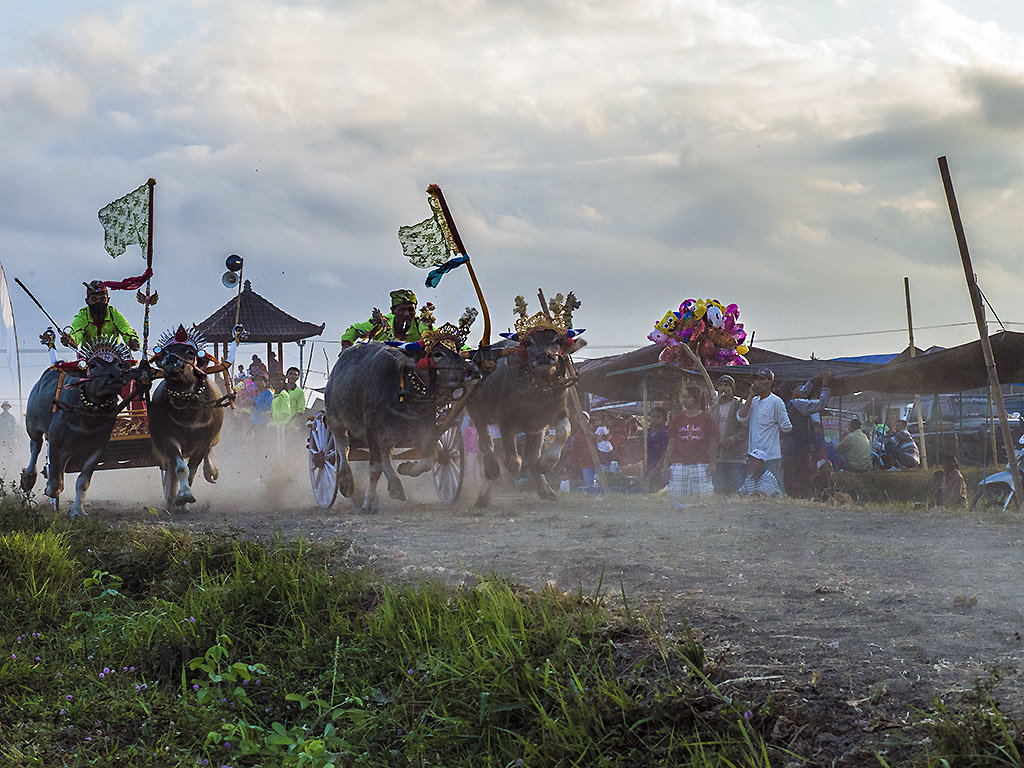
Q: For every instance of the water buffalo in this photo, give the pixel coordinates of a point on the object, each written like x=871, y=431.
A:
x=386, y=396
x=185, y=417
x=526, y=394
x=76, y=415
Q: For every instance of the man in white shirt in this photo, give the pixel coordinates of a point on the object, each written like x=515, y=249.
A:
x=766, y=416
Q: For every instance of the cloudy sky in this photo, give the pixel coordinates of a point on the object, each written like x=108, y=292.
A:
x=779, y=155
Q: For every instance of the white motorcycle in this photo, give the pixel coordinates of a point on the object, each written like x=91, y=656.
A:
x=996, y=490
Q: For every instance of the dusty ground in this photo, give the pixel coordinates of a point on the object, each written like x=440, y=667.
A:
x=859, y=615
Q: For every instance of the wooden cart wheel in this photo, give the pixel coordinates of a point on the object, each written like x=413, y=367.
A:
x=450, y=465
x=323, y=462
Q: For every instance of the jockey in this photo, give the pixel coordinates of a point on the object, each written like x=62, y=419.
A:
x=98, y=319
x=402, y=324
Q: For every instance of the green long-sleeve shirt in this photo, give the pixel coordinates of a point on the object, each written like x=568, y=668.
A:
x=363, y=330
x=85, y=329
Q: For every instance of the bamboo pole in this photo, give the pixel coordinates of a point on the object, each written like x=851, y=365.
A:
x=577, y=408
x=151, y=183
x=435, y=190
x=979, y=316
x=917, y=397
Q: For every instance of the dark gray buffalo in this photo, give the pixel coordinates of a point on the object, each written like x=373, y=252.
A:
x=526, y=393
x=386, y=397
x=185, y=419
x=76, y=420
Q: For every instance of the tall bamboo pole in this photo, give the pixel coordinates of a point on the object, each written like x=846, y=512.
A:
x=979, y=316
x=149, y=265
x=576, y=406
x=917, y=397
x=435, y=190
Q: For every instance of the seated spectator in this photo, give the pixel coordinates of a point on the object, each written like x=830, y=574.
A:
x=900, y=450
x=949, y=485
x=823, y=483
x=605, y=448
x=657, y=442
x=759, y=482
x=854, y=450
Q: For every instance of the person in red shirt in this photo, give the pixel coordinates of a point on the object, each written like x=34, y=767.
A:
x=692, y=446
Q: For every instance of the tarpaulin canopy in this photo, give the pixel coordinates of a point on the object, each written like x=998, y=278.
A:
x=621, y=377
x=949, y=370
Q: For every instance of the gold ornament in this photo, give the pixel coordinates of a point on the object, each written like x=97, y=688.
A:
x=560, y=320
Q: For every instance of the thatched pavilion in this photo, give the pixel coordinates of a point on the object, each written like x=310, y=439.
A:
x=263, y=323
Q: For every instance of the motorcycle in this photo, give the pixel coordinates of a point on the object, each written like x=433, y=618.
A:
x=996, y=490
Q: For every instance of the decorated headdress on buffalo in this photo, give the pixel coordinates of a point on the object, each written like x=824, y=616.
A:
x=191, y=338
x=558, y=318
x=106, y=348
x=452, y=337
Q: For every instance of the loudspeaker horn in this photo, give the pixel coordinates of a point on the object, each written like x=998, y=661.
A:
x=233, y=262
x=229, y=279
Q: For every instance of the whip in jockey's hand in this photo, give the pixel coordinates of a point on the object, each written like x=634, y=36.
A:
x=98, y=319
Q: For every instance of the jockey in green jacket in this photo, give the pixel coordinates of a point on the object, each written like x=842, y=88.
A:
x=402, y=324
x=98, y=319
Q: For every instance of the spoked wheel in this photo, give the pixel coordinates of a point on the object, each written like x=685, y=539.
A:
x=450, y=465
x=992, y=496
x=323, y=462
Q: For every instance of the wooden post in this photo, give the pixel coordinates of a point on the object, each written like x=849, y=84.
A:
x=577, y=408
x=917, y=397
x=979, y=316
x=646, y=417
x=149, y=265
x=435, y=190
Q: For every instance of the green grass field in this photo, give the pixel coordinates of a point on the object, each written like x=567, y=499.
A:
x=125, y=647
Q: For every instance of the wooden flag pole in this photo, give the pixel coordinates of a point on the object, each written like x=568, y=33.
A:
x=979, y=316
x=577, y=409
x=435, y=190
x=149, y=265
x=917, y=397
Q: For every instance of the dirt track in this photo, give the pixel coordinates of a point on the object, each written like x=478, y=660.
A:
x=874, y=610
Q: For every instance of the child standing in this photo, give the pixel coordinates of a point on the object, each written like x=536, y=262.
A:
x=692, y=446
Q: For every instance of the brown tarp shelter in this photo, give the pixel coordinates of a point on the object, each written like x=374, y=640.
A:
x=621, y=377
x=949, y=370
x=961, y=368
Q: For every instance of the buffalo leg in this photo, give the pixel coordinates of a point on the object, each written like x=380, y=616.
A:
x=346, y=483
x=510, y=452
x=169, y=480
x=549, y=457
x=371, y=503
x=428, y=449
x=28, y=474
x=210, y=471
x=180, y=469
x=55, y=475
x=531, y=462
x=486, y=450
x=83, y=481
x=395, y=489
x=194, y=461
